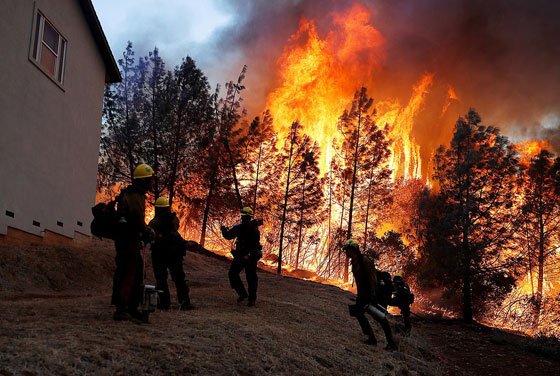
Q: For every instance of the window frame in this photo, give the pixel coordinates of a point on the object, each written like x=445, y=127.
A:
x=37, y=43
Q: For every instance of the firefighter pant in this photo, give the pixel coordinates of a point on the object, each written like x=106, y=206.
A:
x=235, y=282
x=405, y=311
x=366, y=328
x=161, y=262
x=128, y=277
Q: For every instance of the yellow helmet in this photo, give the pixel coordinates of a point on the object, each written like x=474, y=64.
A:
x=143, y=171
x=351, y=243
x=162, y=202
x=247, y=211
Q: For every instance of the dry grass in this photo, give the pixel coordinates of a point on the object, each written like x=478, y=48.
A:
x=56, y=320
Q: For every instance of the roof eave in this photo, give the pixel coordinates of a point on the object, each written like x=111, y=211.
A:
x=112, y=73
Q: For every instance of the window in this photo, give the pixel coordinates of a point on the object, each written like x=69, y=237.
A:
x=49, y=48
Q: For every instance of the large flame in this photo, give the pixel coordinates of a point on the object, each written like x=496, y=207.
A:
x=529, y=149
x=319, y=77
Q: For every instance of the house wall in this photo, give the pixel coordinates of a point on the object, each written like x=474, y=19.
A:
x=49, y=141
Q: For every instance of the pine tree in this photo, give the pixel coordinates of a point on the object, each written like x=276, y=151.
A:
x=122, y=135
x=301, y=177
x=541, y=208
x=152, y=112
x=365, y=150
x=191, y=123
x=476, y=178
x=230, y=131
x=310, y=187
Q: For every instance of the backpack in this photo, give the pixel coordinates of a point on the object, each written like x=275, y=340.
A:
x=384, y=287
x=403, y=293
x=242, y=248
x=105, y=219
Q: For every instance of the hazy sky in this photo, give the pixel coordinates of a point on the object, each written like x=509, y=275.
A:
x=177, y=27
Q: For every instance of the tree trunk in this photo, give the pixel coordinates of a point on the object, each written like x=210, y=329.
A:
x=467, y=273
x=234, y=173
x=540, y=278
x=329, y=233
x=467, y=299
x=175, y=163
x=301, y=220
x=207, y=209
x=257, y=179
x=154, y=140
x=367, y=207
x=352, y=192
x=283, y=223
x=530, y=252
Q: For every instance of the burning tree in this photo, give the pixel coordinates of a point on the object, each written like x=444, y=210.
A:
x=156, y=116
x=191, y=127
x=470, y=243
x=261, y=166
x=303, y=188
x=364, y=152
x=541, y=208
x=230, y=132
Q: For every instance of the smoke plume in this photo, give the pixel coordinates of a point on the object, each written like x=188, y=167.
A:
x=499, y=57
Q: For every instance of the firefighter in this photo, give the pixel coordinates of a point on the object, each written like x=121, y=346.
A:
x=168, y=250
x=246, y=254
x=131, y=233
x=402, y=297
x=364, y=273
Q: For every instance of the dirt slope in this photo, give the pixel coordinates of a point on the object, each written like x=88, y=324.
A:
x=55, y=320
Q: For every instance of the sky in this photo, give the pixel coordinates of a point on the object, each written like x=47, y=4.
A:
x=177, y=27
x=501, y=56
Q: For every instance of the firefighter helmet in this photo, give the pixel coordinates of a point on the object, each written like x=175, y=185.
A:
x=143, y=171
x=162, y=202
x=247, y=211
x=351, y=244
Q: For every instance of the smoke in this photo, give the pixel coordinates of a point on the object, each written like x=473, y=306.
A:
x=500, y=57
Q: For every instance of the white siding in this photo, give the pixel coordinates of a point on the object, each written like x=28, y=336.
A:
x=49, y=136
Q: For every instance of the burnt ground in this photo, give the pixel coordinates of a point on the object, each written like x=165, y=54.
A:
x=55, y=319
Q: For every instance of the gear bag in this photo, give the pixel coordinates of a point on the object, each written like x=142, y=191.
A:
x=105, y=219
x=384, y=287
x=402, y=293
x=254, y=250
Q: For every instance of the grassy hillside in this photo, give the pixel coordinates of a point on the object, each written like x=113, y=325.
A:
x=56, y=320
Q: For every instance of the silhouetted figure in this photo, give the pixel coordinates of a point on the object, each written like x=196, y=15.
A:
x=365, y=276
x=402, y=297
x=131, y=231
x=168, y=250
x=246, y=254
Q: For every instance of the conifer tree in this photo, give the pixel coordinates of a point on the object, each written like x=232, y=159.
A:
x=541, y=208
x=122, y=135
x=364, y=149
x=476, y=177
x=297, y=148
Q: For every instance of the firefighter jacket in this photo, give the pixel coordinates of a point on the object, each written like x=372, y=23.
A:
x=401, y=294
x=366, y=279
x=167, y=237
x=132, y=206
x=164, y=224
x=248, y=239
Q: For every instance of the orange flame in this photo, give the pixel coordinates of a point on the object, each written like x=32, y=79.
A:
x=319, y=76
x=318, y=79
x=532, y=148
x=529, y=149
x=406, y=161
